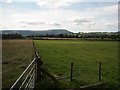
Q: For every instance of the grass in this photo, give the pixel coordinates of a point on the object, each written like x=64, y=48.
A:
x=57, y=56
x=16, y=56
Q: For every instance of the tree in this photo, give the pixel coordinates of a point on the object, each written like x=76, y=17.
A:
x=12, y=36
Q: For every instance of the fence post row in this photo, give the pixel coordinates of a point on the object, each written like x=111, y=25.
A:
x=34, y=49
x=39, y=66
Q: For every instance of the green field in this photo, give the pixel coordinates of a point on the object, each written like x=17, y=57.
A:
x=57, y=56
x=16, y=56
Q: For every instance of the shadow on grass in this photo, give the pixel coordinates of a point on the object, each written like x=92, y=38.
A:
x=47, y=82
x=79, y=83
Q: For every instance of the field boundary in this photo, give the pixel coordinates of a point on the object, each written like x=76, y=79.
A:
x=71, y=74
x=28, y=78
x=32, y=74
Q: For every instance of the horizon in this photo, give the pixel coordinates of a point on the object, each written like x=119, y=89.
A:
x=66, y=30
x=75, y=16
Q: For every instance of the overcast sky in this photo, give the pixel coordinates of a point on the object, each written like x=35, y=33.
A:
x=74, y=15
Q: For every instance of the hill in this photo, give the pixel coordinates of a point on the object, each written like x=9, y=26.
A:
x=31, y=32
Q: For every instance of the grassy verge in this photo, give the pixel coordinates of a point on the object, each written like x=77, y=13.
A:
x=16, y=56
x=86, y=55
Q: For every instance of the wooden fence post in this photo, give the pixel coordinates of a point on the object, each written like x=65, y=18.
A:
x=34, y=49
x=71, y=72
x=39, y=65
x=100, y=71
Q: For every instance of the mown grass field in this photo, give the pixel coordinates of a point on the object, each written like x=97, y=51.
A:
x=16, y=56
x=86, y=55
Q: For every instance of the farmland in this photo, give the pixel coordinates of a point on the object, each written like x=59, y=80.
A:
x=16, y=56
x=57, y=56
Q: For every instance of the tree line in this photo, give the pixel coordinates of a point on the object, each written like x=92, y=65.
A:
x=102, y=36
x=98, y=35
x=12, y=36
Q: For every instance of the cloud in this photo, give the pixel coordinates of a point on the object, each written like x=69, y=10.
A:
x=32, y=23
x=39, y=23
x=56, y=24
x=55, y=4
x=55, y=1
x=8, y=1
x=83, y=20
x=108, y=9
x=89, y=19
x=112, y=24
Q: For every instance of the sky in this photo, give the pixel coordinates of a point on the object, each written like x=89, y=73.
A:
x=73, y=15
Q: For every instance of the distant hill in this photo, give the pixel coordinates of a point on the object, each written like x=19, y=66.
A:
x=30, y=32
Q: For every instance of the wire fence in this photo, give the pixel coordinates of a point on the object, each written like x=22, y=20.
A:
x=27, y=79
x=30, y=75
x=33, y=73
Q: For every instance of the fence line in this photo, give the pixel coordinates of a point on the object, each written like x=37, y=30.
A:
x=34, y=71
x=30, y=75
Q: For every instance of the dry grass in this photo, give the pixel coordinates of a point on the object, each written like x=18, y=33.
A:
x=16, y=55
